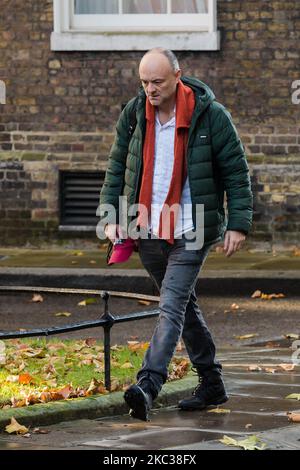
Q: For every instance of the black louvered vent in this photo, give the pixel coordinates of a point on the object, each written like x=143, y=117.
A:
x=79, y=196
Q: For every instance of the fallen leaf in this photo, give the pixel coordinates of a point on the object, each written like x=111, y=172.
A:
x=260, y=295
x=254, y=368
x=90, y=342
x=265, y=297
x=144, y=302
x=137, y=345
x=115, y=363
x=179, y=346
x=92, y=261
x=63, y=314
x=49, y=369
x=96, y=387
x=32, y=399
x=180, y=368
x=78, y=253
x=234, y=307
x=15, y=427
x=272, y=296
x=27, y=435
x=79, y=346
x=86, y=362
x=17, y=403
x=45, y=397
x=37, y=353
x=116, y=347
x=25, y=379
x=250, y=443
x=219, y=410
x=97, y=362
x=292, y=336
x=85, y=302
x=23, y=347
x=248, y=426
x=12, y=378
x=294, y=417
x=293, y=396
x=271, y=370
x=256, y=294
x=246, y=336
x=127, y=365
x=40, y=431
x=287, y=367
x=37, y=298
x=86, y=356
x=271, y=345
x=296, y=252
x=277, y=296
x=115, y=386
x=133, y=343
x=63, y=393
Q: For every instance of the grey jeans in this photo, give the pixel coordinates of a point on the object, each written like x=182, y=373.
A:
x=174, y=270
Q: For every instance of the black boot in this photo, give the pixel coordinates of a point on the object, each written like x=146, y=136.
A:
x=209, y=391
x=139, y=398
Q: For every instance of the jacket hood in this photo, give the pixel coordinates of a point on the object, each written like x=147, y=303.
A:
x=203, y=94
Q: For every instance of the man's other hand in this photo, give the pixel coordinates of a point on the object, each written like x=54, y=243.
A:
x=233, y=241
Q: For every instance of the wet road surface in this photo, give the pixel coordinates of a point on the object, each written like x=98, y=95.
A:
x=267, y=319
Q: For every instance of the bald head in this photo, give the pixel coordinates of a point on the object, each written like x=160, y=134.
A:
x=168, y=54
x=159, y=74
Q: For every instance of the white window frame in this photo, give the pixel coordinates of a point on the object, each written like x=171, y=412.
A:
x=123, y=32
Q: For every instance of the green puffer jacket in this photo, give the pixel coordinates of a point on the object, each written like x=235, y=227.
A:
x=215, y=158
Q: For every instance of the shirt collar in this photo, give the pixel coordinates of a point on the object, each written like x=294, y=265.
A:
x=170, y=123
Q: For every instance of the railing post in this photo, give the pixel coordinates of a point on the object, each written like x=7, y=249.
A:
x=110, y=321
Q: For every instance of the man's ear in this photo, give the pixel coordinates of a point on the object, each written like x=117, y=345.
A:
x=178, y=75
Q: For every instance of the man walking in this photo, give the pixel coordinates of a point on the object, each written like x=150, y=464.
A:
x=182, y=150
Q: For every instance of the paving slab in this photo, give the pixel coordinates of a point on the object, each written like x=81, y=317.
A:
x=94, y=259
x=287, y=438
x=88, y=269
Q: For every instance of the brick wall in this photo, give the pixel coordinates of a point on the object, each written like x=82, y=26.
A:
x=62, y=107
x=276, y=190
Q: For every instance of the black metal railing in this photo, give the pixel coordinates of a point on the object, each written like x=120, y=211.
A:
x=106, y=321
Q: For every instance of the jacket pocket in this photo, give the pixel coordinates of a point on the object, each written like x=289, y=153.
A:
x=203, y=137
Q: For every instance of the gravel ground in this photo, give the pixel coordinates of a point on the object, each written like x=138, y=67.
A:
x=267, y=318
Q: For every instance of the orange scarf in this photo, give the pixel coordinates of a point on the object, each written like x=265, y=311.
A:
x=185, y=103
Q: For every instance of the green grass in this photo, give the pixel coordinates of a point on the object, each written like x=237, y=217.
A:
x=60, y=363
x=68, y=365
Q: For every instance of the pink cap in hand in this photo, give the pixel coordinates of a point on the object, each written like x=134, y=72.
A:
x=122, y=251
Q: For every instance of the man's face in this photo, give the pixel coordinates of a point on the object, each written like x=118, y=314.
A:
x=158, y=79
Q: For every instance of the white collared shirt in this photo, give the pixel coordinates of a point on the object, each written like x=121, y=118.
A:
x=162, y=174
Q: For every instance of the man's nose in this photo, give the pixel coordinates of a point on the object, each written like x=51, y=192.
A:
x=151, y=88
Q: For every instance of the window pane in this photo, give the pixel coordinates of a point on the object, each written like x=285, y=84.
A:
x=189, y=6
x=144, y=6
x=100, y=7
